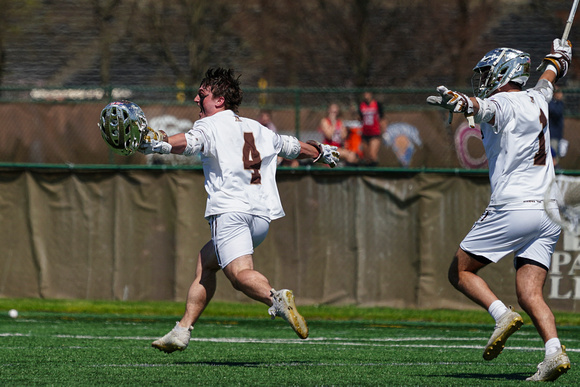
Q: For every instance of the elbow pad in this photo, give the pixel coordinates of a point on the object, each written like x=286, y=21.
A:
x=194, y=143
x=486, y=110
x=546, y=88
x=290, y=147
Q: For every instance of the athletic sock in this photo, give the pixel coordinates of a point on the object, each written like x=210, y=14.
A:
x=179, y=328
x=553, y=346
x=497, y=309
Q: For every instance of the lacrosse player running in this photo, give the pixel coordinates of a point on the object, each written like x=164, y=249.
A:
x=239, y=162
x=517, y=146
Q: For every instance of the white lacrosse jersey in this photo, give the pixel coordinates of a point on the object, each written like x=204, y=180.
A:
x=239, y=163
x=517, y=147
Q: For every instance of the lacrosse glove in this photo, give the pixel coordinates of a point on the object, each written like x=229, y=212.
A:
x=155, y=142
x=453, y=101
x=327, y=154
x=560, y=57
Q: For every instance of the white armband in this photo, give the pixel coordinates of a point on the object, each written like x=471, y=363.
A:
x=290, y=147
x=194, y=143
x=486, y=110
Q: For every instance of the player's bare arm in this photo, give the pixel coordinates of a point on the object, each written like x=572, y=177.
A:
x=178, y=143
x=292, y=148
x=308, y=151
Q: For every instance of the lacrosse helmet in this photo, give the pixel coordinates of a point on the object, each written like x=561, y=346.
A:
x=497, y=68
x=123, y=125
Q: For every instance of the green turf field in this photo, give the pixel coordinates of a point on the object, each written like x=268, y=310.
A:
x=106, y=343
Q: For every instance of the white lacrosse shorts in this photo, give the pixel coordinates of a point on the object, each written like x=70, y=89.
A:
x=235, y=234
x=528, y=233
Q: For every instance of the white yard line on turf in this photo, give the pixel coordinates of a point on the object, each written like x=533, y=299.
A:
x=374, y=342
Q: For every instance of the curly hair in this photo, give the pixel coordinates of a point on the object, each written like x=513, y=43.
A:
x=223, y=83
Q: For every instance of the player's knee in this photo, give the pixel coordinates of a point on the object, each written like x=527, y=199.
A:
x=453, y=273
x=234, y=278
x=236, y=284
x=528, y=299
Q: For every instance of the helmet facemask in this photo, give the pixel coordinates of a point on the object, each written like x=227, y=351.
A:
x=123, y=126
x=497, y=68
x=480, y=80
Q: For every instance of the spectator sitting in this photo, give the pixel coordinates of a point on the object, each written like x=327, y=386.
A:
x=335, y=133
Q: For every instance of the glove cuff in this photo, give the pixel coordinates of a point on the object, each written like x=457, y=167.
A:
x=559, y=64
x=159, y=135
x=164, y=136
x=318, y=146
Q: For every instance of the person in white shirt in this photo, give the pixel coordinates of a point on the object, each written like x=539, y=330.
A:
x=517, y=146
x=239, y=158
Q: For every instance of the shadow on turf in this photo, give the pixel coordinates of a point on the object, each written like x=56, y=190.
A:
x=494, y=377
x=234, y=363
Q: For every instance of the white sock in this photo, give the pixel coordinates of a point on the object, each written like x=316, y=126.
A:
x=179, y=328
x=497, y=309
x=553, y=346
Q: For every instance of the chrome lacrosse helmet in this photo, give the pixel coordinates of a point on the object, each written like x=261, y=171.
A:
x=123, y=125
x=497, y=68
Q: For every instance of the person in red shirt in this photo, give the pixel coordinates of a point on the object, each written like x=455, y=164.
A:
x=373, y=124
x=335, y=133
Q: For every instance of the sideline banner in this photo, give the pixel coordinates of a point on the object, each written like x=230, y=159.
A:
x=347, y=238
x=563, y=282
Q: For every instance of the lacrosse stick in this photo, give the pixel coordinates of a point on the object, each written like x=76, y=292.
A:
x=570, y=20
x=567, y=29
x=470, y=119
x=566, y=191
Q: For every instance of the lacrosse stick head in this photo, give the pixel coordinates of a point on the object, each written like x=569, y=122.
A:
x=123, y=126
x=497, y=68
x=565, y=191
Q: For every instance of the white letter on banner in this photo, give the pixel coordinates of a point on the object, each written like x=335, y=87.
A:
x=575, y=265
x=560, y=258
x=555, y=281
x=577, y=288
x=571, y=241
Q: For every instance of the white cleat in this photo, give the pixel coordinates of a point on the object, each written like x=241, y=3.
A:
x=176, y=340
x=552, y=367
x=508, y=323
x=284, y=306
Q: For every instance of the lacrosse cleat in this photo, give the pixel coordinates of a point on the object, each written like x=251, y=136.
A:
x=552, y=367
x=508, y=323
x=176, y=340
x=283, y=305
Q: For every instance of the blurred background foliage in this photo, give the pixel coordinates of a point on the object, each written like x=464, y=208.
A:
x=300, y=43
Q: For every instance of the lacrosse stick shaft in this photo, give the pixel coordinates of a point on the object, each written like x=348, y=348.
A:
x=469, y=118
x=570, y=21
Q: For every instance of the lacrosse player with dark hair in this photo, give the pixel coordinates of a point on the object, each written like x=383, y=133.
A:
x=239, y=162
x=517, y=146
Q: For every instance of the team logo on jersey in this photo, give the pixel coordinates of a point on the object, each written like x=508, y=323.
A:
x=403, y=139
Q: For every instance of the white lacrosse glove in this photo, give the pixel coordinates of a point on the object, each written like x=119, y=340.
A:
x=155, y=142
x=327, y=154
x=453, y=101
x=560, y=57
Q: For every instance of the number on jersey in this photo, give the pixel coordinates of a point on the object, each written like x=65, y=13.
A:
x=252, y=159
x=540, y=156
